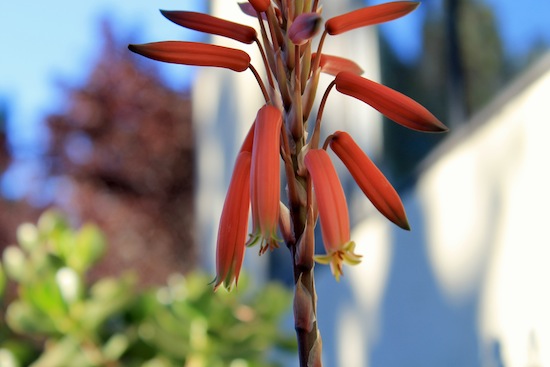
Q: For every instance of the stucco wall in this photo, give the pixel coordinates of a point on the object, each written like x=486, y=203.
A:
x=468, y=286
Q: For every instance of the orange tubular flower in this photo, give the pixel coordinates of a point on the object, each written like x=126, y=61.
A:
x=233, y=227
x=260, y=5
x=396, y=106
x=333, y=212
x=369, y=178
x=333, y=65
x=369, y=15
x=211, y=25
x=265, y=177
x=194, y=53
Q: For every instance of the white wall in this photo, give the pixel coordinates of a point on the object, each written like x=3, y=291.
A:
x=468, y=286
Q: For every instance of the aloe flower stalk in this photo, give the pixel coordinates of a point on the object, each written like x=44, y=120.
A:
x=278, y=143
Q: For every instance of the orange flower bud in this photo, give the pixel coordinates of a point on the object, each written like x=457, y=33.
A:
x=369, y=15
x=233, y=226
x=260, y=5
x=304, y=28
x=333, y=65
x=194, y=53
x=370, y=179
x=265, y=177
x=333, y=212
x=391, y=103
x=211, y=25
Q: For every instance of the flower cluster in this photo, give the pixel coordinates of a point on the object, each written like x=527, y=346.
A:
x=278, y=139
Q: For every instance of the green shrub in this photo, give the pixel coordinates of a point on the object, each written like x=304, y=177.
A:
x=57, y=319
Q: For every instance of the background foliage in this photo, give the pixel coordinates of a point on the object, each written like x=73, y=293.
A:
x=53, y=316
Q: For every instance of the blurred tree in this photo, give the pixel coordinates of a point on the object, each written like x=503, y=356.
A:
x=461, y=68
x=483, y=58
x=122, y=155
x=12, y=212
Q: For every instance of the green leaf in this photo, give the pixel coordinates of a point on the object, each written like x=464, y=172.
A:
x=15, y=263
x=28, y=236
x=108, y=297
x=8, y=359
x=45, y=295
x=25, y=319
x=51, y=223
x=61, y=353
x=115, y=346
x=89, y=245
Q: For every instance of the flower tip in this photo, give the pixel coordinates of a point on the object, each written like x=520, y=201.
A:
x=440, y=127
x=133, y=48
x=403, y=223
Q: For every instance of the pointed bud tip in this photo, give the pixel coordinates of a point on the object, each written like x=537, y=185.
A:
x=404, y=224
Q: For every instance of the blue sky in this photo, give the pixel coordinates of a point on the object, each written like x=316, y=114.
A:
x=44, y=42
x=47, y=42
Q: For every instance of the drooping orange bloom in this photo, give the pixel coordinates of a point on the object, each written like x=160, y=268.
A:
x=212, y=25
x=233, y=226
x=265, y=183
x=333, y=212
x=333, y=65
x=370, y=179
x=194, y=53
x=396, y=106
x=369, y=15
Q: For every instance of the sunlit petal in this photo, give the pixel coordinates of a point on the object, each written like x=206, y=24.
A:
x=233, y=226
x=212, y=25
x=333, y=210
x=369, y=15
x=391, y=103
x=369, y=178
x=194, y=53
x=265, y=177
x=333, y=65
x=260, y=5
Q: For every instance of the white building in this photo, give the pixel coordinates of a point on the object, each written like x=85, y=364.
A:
x=468, y=286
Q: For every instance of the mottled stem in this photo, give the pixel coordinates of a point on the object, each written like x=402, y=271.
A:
x=305, y=297
x=305, y=317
